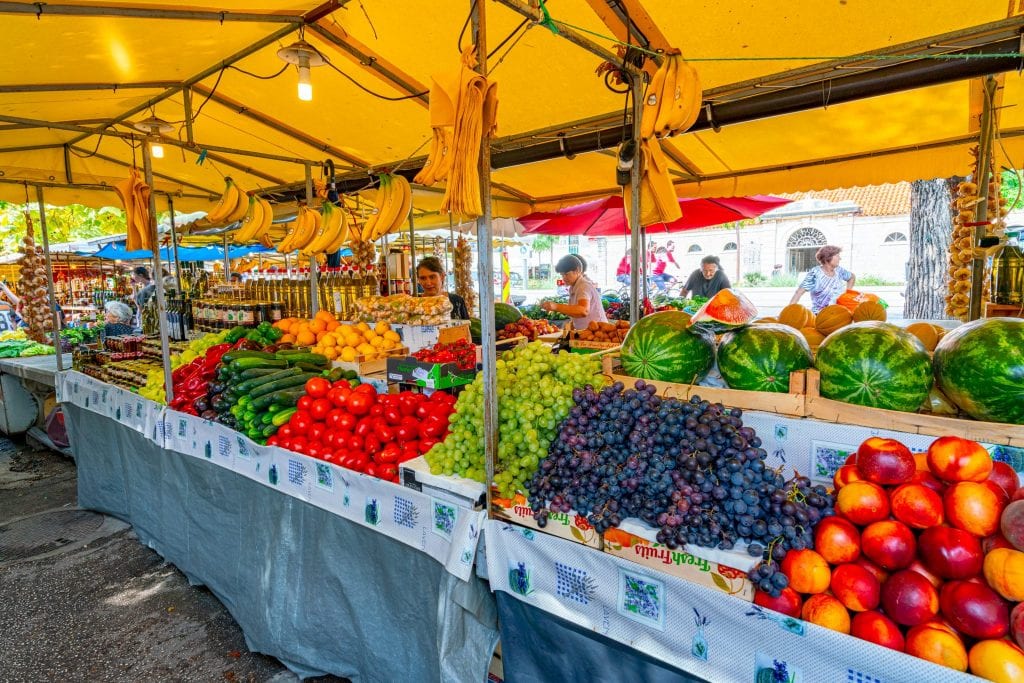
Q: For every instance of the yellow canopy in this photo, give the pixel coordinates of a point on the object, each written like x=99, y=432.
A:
x=86, y=67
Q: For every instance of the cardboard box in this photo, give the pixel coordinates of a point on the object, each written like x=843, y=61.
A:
x=705, y=566
x=467, y=493
x=416, y=337
x=571, y=527
x=376, y=366
x=428, y=375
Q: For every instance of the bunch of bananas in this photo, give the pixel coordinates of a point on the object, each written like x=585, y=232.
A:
x=393, y=204
x=231, y=208
x=331, y=233
x=256, y=223
x=134, y=195
x=673, y=98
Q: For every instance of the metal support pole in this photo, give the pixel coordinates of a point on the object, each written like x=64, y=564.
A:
x=55, y=317
x=187, y=94
x=981, y=209
x=412, y=257
x=177, y=270
x=485, y=273
x=161, y=304
x=638, y=267
x=227, y=261
x=450, y=249
x=314, y=301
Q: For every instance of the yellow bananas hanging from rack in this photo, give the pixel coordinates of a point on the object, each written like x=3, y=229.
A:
x=232, y=207
x=673, y=98
x=393, y=204
x=333, y=230
x=301, y=231
x=256, y=223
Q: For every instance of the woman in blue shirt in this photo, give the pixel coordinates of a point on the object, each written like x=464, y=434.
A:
x=826, y=282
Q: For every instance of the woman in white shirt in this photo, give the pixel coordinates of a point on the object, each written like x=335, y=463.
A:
x=584, y=305
x=826, y=282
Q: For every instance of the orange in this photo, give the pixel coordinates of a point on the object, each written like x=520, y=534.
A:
x=305, y=338
x=330, y=352
x=295, y=327
x=328, y=341
x=318, y=325
x=321, y=334
x=324, y=315
x=333, y=325
x=287, y=338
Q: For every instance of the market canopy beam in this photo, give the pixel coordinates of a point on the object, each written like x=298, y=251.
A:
x=62, y=87
x=41, y=9
x=564, y=31
x=85, y=153
x=615, y=14
x=88, y=186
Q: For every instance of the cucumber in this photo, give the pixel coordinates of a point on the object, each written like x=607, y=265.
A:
x=256, y=372
x=312, y=358
x=269, y=430
x=281, y=417
x=250, y=384
x=252, y=363
x=231, y=356
x=244, y=401
x=285, y=398
x=280, y=353
x=266, y=417
x=271, y=387
x=309, y=367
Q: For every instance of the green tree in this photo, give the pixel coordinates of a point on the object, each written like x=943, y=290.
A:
x=1011, y=190
x=64, y=223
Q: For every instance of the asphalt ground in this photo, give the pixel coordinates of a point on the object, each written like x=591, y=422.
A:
x=82, y=600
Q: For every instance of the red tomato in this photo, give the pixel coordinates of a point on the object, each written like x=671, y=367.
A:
x=426, y=443
x=393, y=416
x=317, y=432
x=358, y=403
x=329, y=455
x=359, y=460
x=284, y=443
x=313, y=451
x=320, y=409
x=411, y=446
x=317, y=387
x=347, y=422
x=300, y=423
x=422, y=411
x=370, y=469
x=407, y=404
x=274, y=440
x=377, y=411
x=365, y=389
x=388, y=454
x=284, y=431
x=388, y=472
x=305, y=401
x=385, y=433
x=433, y=426
x=371, y=444
x=333, y=419
x=365, y=426
x=329, y=437
x=353, y=443
x=337, y=396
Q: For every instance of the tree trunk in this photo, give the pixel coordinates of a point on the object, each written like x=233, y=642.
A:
x=930, y=232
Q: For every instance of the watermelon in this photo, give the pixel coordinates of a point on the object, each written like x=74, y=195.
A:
x=726, y=310
x=505, y=314
x=661, y=347
x=980, y=367
x=475, y=330
x=875, y=364
x=761, y=357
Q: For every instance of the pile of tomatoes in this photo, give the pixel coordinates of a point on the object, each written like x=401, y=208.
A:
x=362, y=430
x=461, y=352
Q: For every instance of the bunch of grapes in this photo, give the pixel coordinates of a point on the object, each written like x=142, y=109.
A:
x=689, y=468
x=535, y=393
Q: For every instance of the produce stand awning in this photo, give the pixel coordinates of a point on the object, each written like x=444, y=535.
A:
x=790, y=94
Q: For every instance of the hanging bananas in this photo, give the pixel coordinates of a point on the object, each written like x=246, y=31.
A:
x=673, y=98
x=301, y=231
x=333, y=230
x=231, y=208
x=393, y=204
x=256, y=223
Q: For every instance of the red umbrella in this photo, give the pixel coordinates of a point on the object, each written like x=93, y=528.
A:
x=607, y=218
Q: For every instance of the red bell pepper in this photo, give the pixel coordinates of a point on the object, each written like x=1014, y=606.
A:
x=215, y=353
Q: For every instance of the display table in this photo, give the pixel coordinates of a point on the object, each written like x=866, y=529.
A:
x=327, y=570
x=26, y=384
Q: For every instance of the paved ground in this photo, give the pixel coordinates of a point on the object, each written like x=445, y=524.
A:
x=102, y=607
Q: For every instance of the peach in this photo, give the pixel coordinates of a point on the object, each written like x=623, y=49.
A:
x=974, y=609
x=1012, y=523
x=880, y=574
x=885, y=461
x=950, y=553
x=1017, y=624
x=862, y=502
x=1004, y=572
x=1005, y=476
x=855, y=587
x=789, y=602
x=909, y=598
x=825, y=610
x=916, y=566
x=837, y=540
x=889, y=544
x=952, y=458
x=844, y=475
x=877, y=628
x=999, y=661
x=996, y=540
x=937, y=644
x=926, y=478
x=807, y=571
x=973, y=507
x=917, y=506
x=921, y=461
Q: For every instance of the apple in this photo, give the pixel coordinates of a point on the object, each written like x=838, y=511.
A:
x=885, y=461
x=1017, y=624
x=950, y=553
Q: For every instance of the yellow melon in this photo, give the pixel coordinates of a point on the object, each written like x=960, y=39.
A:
x=767, y=320
x=926, y=332
x=869, y=310
x=831, y=318
x=813, y=337
x=796, y=316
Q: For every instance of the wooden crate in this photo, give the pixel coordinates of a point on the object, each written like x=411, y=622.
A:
x=790, y=403
x=371, y=367
x=829, y=410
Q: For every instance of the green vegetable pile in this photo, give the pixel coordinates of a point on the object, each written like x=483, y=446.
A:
x=23, y=348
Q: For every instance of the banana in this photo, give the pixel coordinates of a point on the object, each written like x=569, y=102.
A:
x=267, y=219
x=241, y=207
x=392, y=203
x=250, y=223
x=296, y=228
x=666, y=96
x=226, y=205
x=406, y=203
x=343, y=233
x=371, y=222
x=652, y=99
x=330, y=224
x=311, y=225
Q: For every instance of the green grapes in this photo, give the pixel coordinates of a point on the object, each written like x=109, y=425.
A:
x=534, y=396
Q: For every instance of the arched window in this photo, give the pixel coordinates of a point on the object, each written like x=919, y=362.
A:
x=694, y=249
x=895, y=237
x=731, y=246
x=806, y=237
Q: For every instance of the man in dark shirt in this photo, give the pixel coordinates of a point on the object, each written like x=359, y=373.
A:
x=707, y=280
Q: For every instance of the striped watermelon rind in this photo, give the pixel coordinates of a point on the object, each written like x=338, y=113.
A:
x=761, y=357
x=980, y=367
x=660, y=347
x=875, y=364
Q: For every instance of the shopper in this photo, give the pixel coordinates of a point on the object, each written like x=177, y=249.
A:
x=827, y=281
x=146, y=287
x=117, y=319
x=431, y=277
x=16, y=313
x=707, y=280
x=623, y=271
x=659, y=277
x=584, y=305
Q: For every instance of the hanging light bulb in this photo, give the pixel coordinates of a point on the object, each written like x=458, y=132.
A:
x=154, y=127
x=305, y=87
x=157, y=150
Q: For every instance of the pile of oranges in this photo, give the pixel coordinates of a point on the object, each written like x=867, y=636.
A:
x=340, y=341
